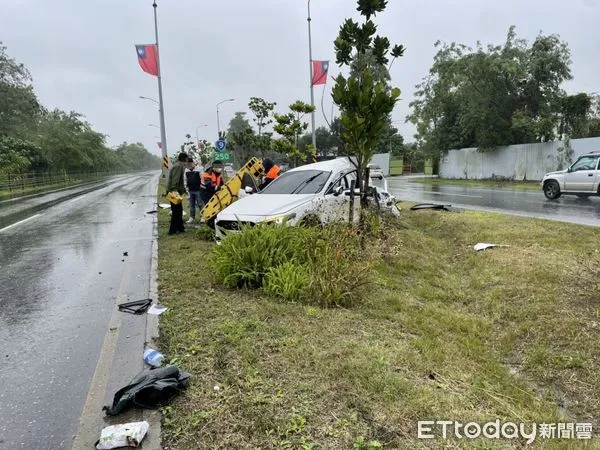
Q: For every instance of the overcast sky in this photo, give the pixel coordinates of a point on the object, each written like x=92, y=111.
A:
x=82, y=57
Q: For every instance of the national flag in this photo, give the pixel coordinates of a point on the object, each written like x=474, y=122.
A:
x=148, y=58
x=159, y=145
x=320, y=69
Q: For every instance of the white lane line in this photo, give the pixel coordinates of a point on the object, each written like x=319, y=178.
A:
x=20, y=222
x=77, y=199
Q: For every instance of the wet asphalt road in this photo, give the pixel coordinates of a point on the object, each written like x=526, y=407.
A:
x=62, y=275
x=524, y=203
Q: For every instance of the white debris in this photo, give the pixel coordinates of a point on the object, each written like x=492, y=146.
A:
x=122, y=435
x=483, y=246
x=217, y=388
x=157, y=310
x=164, y=205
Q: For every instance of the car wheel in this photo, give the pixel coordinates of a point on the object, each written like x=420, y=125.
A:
x=552, y=190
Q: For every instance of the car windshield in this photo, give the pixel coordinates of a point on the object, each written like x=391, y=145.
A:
x=374, y=167
x=300, y=182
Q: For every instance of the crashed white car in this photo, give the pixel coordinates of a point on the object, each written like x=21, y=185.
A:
x=315, y=194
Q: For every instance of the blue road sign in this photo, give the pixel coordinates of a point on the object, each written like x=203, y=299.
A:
x=221, y=145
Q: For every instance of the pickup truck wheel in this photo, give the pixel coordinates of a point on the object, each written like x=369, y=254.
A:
x=552, y=190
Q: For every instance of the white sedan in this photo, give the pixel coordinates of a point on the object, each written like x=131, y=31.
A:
x=315, y=193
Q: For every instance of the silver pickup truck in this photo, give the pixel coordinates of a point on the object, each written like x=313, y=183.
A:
x=581, y=179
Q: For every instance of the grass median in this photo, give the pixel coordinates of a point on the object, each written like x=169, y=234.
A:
x=495, y=184
x=445, y=333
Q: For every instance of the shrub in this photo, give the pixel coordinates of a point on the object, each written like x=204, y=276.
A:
x=341, y=272
x=243, y=259
x=288, y=281
x=323, y=266
x=205, y=233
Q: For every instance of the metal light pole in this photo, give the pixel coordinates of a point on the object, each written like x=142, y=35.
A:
x=312, y=90
x=218, y=121
x=163, y=133
x=197, y=128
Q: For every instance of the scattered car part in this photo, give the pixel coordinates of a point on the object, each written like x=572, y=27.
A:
x=431, y=206
x=483, y=246
x=136, y=307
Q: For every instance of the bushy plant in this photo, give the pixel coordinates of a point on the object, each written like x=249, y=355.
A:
x=243, y=259
x=289, y=281
x=323, y=266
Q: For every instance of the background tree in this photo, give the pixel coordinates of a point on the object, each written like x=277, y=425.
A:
x=263, y=117
x=496, y=95
x=365, y=103
x=290, y=126
x=19, y=106
x=327, y=142
x=241, y=138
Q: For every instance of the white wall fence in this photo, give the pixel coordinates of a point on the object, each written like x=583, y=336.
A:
x=383, y=161
x=515, y=162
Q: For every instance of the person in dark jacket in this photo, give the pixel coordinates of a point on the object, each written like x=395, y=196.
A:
x=212, y=181
x=175, y=184
x=192, y=183
x=272, y=172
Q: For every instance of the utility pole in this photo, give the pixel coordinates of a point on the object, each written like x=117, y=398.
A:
x=312, y=90
x=163, y=133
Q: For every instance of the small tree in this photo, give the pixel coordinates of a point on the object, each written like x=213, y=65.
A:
x=364, y=101
x=263, y=112
x=291, y=127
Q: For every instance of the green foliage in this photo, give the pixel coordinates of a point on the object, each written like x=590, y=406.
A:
x=205, y=233
x=364, y=98
x=498, y=95
x=290, y=126
x=243, y=259
x=288, y=281
x=18, y=104
x=37, y=140
x=263, y=117
x=309, y=265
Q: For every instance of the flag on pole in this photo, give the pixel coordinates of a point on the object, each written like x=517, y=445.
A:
x=147, y=57
x=159, y=145
x=320, y=69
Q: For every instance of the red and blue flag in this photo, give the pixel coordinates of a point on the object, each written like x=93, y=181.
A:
x=320, y=69
x=148, y=58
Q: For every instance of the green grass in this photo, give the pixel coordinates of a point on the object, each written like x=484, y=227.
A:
x=447, y=333
x=517, y=185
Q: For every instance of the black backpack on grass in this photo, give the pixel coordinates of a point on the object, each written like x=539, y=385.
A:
x=150, y=389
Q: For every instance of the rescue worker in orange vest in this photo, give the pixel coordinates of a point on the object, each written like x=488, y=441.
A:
x=272, y=172
x=212, y=181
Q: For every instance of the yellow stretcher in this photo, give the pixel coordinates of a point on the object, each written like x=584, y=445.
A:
x=230, y=190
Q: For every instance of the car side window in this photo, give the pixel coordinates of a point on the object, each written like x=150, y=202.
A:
x=349, y=177
x=585, y=163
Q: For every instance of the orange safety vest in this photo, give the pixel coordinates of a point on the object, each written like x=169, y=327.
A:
x=215, y=179
x=273, y=173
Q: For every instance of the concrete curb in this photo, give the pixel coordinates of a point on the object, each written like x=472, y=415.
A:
x=153, y=417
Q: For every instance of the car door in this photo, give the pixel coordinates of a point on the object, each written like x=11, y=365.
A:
x=582, y=176
x=337, y=207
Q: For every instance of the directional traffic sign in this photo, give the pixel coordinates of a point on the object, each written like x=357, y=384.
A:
x=222, y=156
x=221, y=145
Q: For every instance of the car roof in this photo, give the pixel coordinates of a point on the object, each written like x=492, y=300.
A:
x=331, y=165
